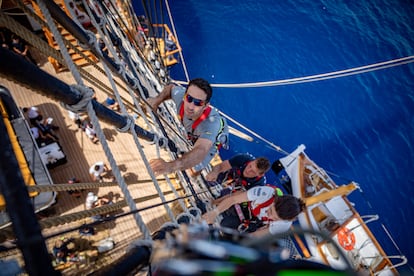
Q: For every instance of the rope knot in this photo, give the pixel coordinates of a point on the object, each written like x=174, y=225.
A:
x=91, y=40
x=130, y=124
x=87, y=94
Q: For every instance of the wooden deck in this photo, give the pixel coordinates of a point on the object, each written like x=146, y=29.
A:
x=81, y=154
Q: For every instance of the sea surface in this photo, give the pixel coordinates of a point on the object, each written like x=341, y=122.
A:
x=359, y=127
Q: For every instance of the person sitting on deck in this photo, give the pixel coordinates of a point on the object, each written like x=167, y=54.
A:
x=111, y=103
x=21, y=48
x=90, y=133
x=42, y=138
x=60, y=250
x=93, y=201
x=33, y=114
x=266, y=211
x=240, y=172
x=206, y=129
x=76, y=118
x=74, y=193
x=36, y=117
x=97, y=169
x=44, y=125
x=102, y=46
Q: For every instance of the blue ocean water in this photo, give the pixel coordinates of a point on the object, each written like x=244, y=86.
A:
x=359, y=127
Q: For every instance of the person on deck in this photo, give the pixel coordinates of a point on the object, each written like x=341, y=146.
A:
x=240, y=172
x=42, y=138
x=36, y=118
x=93, y=201
x=74, y=193
x=33, y=114
x=102, y=46
x=205, y=127
x=111, y=103
x=97, y=169
x=91, y=133
x=266, y=211
x=60, y=250
x=76, y=118
x=21, y=48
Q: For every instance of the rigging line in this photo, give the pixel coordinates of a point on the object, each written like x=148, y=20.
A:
x=156, y=185
x=341, y=73
x=178, y=42
x=391, y=238
x=58, y=187
x=59, y=220
x=111, y=218
x=138, y=145
x=319, y=77
x=138, y=86
x=47, y=50
x=169, y=211
x=93, y=116
x=277, y=148
x=336, y=74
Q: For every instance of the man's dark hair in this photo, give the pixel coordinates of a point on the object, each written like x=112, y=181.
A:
x=288, y=207
x=203, y=85
x=263, y=164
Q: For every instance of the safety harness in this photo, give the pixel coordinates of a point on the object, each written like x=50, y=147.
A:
x=238, y=180
x=252, y=222
x=190, y=135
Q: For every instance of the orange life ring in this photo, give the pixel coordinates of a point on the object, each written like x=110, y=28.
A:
x=346, y=239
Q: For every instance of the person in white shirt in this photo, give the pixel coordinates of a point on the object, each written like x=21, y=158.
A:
x=270, y=212
x=90, y=132
x=97, y=169
x=91, y=201
x=75, y=117
x=36, y=119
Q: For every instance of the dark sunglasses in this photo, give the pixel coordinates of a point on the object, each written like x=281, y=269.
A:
x=196, y=102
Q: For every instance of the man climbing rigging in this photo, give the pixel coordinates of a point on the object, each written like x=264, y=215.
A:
x=206, y=130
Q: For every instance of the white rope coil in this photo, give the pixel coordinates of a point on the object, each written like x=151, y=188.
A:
x=130, y=124
x=81, y=106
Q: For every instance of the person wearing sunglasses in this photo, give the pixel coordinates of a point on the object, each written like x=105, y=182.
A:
x=206, y=129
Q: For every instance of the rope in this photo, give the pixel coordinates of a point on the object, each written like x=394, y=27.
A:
x=176, y=36
x=85, y=104
x=81, y=186
x=45, y=48
x=143, y=156
x=319, y=77
x=62, y=219
x=78, y=216
x=95, y=121
x=111, y=23
x=136, y=140
x=116, y=170
x=272, y=145
x=58, y=38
